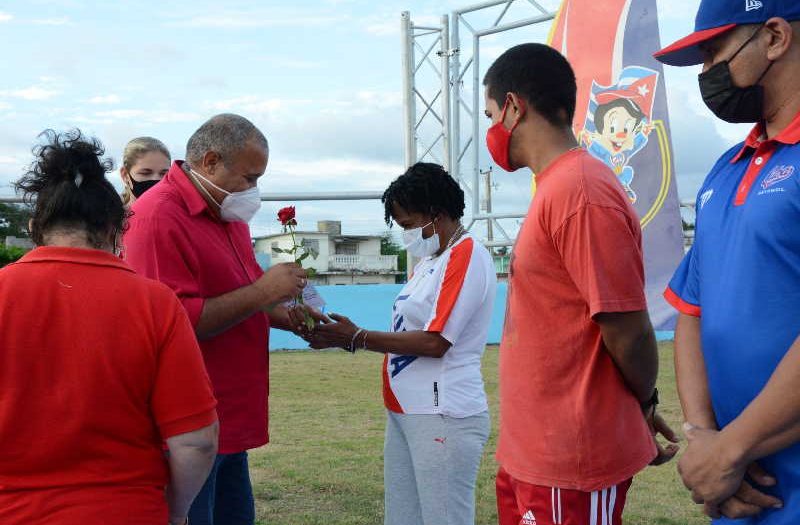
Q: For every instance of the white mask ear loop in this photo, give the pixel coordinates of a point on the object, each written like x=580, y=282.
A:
x=208, y=193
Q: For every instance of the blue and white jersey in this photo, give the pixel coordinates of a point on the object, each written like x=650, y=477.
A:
x=452, y=295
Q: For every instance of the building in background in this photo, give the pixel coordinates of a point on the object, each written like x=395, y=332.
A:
x=341, y=259
x=19, y=242
x=502, y=262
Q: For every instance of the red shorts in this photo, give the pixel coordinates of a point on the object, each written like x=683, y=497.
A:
x=520, y=503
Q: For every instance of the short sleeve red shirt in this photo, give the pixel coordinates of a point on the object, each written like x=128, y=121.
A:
x=174, y=238
x=567, y=419
x=98, y=366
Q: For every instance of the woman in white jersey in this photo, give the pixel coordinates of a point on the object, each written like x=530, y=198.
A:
x=438, y=420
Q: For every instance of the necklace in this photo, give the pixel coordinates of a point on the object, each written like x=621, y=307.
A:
x=456, y=235
x=453, y=238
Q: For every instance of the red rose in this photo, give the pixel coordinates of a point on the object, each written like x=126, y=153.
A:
x=286, y=216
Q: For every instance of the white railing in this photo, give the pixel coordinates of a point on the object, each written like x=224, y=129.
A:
x=364, y=263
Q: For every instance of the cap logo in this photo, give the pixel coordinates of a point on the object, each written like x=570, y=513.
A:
x=752, y=5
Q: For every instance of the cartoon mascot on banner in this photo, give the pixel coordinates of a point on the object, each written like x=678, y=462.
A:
x=619, y=121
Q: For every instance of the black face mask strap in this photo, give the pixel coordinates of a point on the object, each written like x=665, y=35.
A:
x=749, y=39
x=771, y=63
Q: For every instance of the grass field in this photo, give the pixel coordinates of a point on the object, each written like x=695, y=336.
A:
x=324, y=463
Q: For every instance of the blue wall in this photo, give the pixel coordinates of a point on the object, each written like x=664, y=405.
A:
x=370, y=306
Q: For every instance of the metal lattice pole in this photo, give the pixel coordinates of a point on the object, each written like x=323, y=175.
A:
x=409, y=106
x=466, y=149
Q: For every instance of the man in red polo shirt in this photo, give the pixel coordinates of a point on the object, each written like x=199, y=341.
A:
x=578, y=359
x=190, y=232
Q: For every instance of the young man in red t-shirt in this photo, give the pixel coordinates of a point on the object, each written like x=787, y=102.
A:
x=578, y=359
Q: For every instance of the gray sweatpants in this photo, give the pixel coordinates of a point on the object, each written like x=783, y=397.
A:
x=430, y=466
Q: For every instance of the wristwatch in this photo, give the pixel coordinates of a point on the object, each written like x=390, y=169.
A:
x=652, y=402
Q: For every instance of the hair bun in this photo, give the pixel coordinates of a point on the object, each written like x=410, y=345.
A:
x=70, y=156
x=67, y=187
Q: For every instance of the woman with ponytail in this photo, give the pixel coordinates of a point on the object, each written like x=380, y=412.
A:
x=99, y=367
x=145, y=161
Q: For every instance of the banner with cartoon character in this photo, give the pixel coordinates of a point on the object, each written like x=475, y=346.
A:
x=621, y=118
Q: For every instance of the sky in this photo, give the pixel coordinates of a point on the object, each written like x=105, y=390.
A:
x=321, y=78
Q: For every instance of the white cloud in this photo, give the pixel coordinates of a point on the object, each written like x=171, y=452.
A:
x=30, y=93
x=105, y=99
x=12, y=164
x=169, y=116
x=120, y=114
x=353, y=105
x=492, y=52
x=5, y=17
x=292, y=63
x=52, y=21
x=327, y=175
x=330, y=173
x=138, y=116
x=384, y=28
x=86, y=119
x=4, y=106
x=256, y=104
x=732, y=133
x=677, y=10
x=389, y=24
x=236, y=19
x=379, y=99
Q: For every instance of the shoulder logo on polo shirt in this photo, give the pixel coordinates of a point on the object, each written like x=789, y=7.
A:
x=529, y=518
x=752, y=5
x=778, y=174
x=705, y=197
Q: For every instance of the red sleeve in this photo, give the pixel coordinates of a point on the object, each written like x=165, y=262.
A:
x=600, y=247
x=683, y=292
x=452, y=283
x=159, y=248
x=182, y=399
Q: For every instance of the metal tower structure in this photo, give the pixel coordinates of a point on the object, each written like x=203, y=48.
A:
x=456, y=143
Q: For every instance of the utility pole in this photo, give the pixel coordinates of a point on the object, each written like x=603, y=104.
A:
x=486, y=202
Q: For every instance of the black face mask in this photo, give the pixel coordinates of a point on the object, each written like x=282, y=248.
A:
x=726, y=100
x=138, y=187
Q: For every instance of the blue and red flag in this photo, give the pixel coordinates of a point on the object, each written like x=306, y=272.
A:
x=622, y=119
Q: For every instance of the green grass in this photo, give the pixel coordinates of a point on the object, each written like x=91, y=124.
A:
x=324, y=463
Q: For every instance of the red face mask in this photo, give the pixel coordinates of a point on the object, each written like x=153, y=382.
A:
x=498, y=140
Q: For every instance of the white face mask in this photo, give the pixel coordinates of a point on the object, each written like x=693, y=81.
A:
x=417, y=245
x=237, y=205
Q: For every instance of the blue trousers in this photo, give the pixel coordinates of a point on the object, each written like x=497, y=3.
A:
x=227, y=496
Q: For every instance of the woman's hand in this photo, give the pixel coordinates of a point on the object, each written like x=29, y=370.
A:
x=338, y=334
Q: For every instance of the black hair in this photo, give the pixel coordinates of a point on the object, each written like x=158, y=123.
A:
x=541, y=76
x=67, y=186
x=629, y=105
x=424, y=188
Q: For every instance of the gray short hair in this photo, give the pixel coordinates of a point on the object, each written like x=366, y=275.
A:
x=226, y=134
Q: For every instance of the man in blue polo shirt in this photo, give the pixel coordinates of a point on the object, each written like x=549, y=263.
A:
x=737, y=354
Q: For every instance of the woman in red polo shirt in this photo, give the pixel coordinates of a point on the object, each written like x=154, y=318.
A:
x=98, y=366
